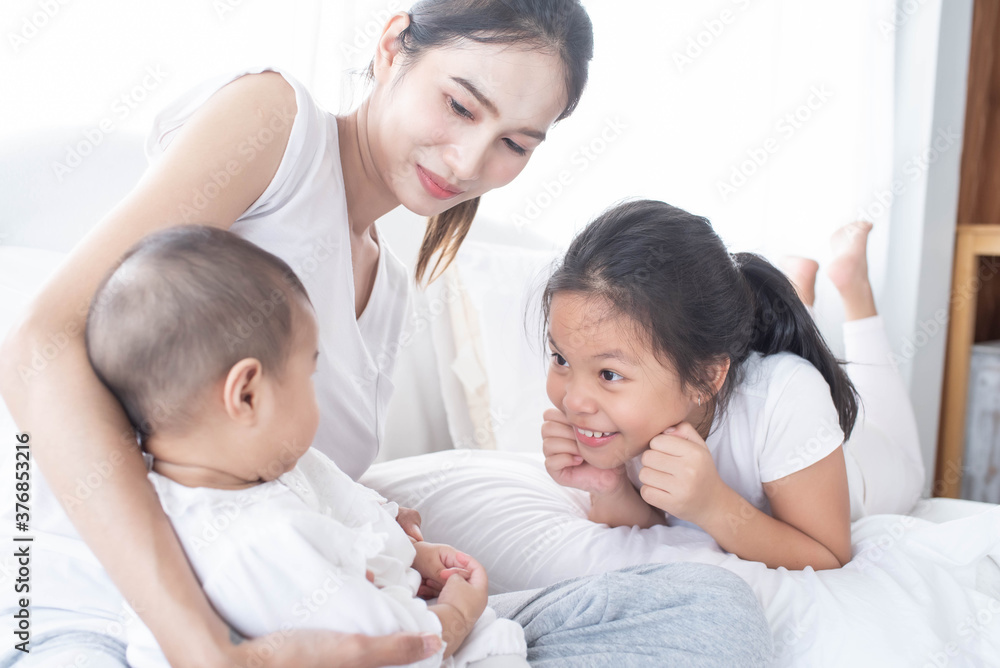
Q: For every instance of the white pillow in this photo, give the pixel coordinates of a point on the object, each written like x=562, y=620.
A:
x=912, y=588
x=498, y=355
x=465, y=329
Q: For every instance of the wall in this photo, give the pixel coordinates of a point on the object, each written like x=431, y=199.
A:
x=933, y=43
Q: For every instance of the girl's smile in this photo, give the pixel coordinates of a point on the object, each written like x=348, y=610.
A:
x=593, y=439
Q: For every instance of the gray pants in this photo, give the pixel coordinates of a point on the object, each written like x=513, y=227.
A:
x=679, y=615
x=683, y=615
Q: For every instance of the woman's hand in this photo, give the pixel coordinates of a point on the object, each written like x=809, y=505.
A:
x=312, y=648
x=565, y=464
x=679, y=476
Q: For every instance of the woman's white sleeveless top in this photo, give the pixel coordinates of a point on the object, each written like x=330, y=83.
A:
x=302, y=218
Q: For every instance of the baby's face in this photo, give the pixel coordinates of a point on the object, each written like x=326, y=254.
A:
x=611, y=388
x=290, y=423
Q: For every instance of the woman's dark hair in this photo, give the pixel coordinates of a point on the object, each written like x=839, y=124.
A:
x=561, y=26
x=670, y=273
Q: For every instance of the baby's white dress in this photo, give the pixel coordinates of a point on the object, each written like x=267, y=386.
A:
x=292, y=553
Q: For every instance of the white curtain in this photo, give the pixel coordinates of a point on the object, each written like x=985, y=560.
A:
x=774, y=118
x=683, y=94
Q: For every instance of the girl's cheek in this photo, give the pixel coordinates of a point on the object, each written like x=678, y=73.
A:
x=554, y=388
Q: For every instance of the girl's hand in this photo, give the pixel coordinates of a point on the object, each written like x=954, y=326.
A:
x=679, y=476
x=565, y=464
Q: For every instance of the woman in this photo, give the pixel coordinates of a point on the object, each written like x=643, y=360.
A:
x=464, y=92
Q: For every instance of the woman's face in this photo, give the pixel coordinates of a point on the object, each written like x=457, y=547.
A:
x=461, y=121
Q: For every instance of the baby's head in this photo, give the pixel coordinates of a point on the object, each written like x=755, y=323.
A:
x=209, y=344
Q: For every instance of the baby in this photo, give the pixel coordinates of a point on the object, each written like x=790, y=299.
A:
x=209, y=343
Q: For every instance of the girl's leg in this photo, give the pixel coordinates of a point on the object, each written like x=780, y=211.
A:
x=801, y=271
x=884, y=465
x=885, y=444
x=679, y=614
x=849, y=271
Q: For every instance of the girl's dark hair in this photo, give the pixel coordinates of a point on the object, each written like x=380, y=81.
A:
x=670, y=273
x=562, y=26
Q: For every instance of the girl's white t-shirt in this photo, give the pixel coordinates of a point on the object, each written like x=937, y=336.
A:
x=302, y=218
x=780, y=420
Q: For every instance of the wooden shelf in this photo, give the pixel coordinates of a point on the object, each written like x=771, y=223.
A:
x=971, y=243
x=975, y=299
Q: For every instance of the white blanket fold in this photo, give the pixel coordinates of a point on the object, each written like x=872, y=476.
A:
x=916, y=593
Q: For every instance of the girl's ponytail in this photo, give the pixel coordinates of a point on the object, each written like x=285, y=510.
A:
x=783, y=324
x=667, y=271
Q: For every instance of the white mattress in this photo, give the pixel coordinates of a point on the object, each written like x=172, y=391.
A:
x=920, y=590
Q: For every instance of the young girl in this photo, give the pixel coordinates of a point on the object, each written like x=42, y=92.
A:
x=692, y=382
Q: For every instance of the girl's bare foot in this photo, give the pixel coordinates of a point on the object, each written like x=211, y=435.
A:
x=849, y=270
x=801, y=271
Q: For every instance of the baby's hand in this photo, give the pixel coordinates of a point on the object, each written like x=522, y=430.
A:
x=679, y=476
x=436, y=563
x=467, y=593
x=409, y=519
x=564, y=462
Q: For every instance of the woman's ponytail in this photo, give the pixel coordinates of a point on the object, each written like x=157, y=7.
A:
x=444, y=234
x=783, y=324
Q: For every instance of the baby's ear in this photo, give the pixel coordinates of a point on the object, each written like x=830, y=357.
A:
x=241, y=390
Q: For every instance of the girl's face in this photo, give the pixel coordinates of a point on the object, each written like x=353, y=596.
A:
x=608, y=383
x=461, y=121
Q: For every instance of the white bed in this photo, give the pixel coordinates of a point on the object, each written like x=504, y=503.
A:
x=921, y=590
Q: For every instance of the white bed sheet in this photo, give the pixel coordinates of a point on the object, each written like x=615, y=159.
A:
x=921, y=590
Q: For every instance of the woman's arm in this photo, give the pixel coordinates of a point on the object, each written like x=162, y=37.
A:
x=76, y=424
